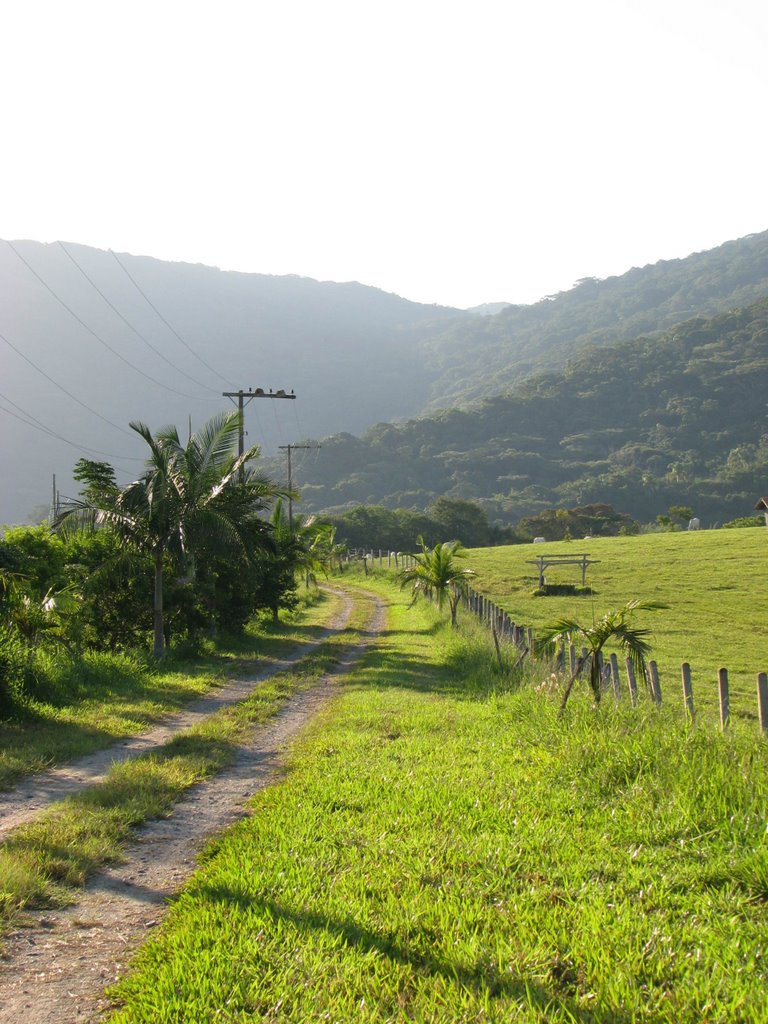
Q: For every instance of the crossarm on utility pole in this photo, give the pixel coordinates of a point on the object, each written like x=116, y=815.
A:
x=243, y=398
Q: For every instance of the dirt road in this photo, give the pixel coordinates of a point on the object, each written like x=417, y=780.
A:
x=54, y=971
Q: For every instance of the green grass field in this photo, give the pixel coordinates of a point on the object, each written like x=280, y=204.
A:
x=446, y=850
x=715, y=583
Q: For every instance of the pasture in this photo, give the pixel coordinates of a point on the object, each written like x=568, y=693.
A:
x=444, y=849
x=714, y=583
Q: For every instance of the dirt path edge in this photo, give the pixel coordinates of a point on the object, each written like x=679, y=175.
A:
x=55, y=970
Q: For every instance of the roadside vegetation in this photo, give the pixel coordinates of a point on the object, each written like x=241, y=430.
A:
x=89, y=703
x=451, y=842
x=179, y=557
x=447, y=848
x=40, y=862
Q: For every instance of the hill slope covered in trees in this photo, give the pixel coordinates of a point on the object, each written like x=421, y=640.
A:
x=679, y=419
x=90, y=341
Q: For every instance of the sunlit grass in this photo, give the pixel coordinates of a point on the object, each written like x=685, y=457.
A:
x=446, y=849
x=75, y=837
x=713, y=582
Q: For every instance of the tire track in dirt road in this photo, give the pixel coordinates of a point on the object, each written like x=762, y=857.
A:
x=55, y=971
x=37, y=792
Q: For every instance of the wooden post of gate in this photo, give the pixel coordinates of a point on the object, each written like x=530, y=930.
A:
x=632, y=682
x=688, y=691
x=615, y=677
x=725, y=698
x=762, y=702
x=653, y=671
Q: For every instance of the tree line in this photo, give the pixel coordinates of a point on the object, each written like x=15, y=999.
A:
x=198, y=544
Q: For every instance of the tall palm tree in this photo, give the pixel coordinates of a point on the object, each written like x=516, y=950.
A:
x=193, y=497
x=615, y=628
x=437, y=574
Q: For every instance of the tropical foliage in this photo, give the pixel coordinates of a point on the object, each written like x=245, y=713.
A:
x=192, y=500
x=614, y=628
x=436, y=574
x=374, y=526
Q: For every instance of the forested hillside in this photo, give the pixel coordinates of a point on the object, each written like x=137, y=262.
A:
x=679, y=419
x=489, y=355
x=90, y=341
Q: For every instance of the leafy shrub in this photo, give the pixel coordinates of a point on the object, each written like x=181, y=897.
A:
x=744, y=522
x=15, y=671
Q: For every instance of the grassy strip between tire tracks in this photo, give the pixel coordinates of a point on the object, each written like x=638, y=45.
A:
x=107, y=697
x=445, y=849
x=40, y=861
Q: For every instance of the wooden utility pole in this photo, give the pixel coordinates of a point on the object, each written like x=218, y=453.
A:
x=292, y=448
x=243, y=398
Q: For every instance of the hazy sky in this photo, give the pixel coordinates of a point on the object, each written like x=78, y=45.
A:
x=452, y=152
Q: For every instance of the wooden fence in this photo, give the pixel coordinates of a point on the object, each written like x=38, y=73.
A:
x=502, y=626
x=370, y=557
x=504, y=629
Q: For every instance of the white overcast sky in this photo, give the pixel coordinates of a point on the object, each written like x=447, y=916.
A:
x=452, y=152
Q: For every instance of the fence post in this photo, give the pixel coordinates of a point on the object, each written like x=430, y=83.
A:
x=530, y=640
x=615, y=677
x=572, y=658
x=632, y=682
x=688, y=691
x=653, y=670
x=498, y=649
x=762, y=701
x=725, y=698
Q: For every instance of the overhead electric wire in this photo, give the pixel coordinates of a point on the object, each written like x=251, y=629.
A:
x=90, y=330
x=262, y=434
x=130, y=326
x=172, y=329
x=298, y=424
x=31, y=421
x=277, y=421
x=62, y=388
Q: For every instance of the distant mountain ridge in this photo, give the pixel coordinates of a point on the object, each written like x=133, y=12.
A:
x=521, y=340
x=354, y=355
x=678, y=419
x=349, y=351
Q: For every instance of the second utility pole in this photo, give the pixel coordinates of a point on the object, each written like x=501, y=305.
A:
x=292, y=448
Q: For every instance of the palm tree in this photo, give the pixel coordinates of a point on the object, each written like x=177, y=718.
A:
x=615, y=627
x=437, y=574
x=193, y=497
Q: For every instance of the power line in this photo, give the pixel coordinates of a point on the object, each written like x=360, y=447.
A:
x=277, y=424
x=62, y=388
x=172, y=329
x=31, y=421
x=130, y=326
x=92, y=332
